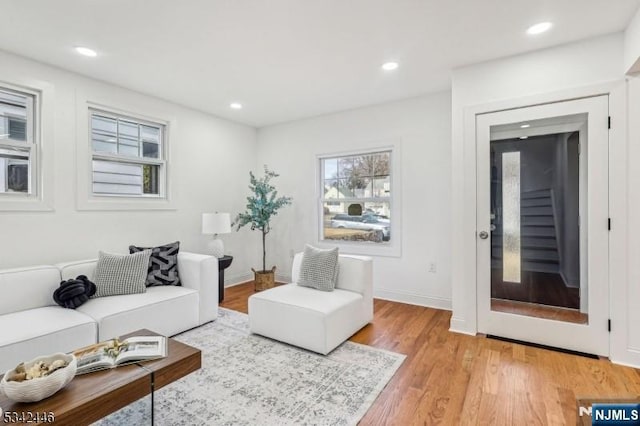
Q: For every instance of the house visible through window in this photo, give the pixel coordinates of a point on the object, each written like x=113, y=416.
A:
x=127, y=156
x=356, y=200
x=18, y=157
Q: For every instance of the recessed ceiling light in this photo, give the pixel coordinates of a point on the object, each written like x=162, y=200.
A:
x=524, y=137
x=539, y=28
x=524, y=126
x=85, y=51
x=390, y=66
x=235, y=105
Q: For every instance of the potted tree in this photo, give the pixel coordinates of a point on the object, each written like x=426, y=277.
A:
x=262, y=205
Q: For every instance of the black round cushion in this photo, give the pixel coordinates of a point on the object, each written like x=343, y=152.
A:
x=73, y=293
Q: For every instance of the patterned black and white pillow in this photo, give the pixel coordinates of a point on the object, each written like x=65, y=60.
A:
x=319, y=268
x=163, y=264
x=121, y=274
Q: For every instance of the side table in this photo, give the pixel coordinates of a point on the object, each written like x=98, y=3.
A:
x=223, y=263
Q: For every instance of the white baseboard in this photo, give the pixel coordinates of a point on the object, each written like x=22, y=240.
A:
x=629, y=357
x=624, y=354
x=397, y=296
x=237, y=279
x=459, y=325
x=412, y=298
x=243, y=278
x=283, y=278
x=625, y=363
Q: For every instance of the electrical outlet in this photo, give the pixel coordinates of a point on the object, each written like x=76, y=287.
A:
x=432, y=267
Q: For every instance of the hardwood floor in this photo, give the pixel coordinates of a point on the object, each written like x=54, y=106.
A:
x=452, y=379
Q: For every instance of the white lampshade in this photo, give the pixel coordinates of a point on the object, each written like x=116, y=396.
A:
x=216, y=223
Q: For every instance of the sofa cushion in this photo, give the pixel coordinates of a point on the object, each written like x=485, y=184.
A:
x=27, y=288
x=304, y=317
x=121, y=274
x=164, y=309
x=319, y=268
x=319, y=303
x=41, y=331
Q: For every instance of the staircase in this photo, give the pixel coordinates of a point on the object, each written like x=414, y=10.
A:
x=539, y=245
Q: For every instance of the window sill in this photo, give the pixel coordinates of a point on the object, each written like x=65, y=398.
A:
x=366, y=249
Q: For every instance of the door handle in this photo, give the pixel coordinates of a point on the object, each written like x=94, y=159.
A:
x=484, y=235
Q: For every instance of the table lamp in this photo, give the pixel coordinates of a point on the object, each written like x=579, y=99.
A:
x=214, y=224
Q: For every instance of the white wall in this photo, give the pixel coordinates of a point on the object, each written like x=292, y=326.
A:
x=209, y=167
x=632, y=45
x=3, y=177
x=422, y=125
x=629, y=305
x=584, y=68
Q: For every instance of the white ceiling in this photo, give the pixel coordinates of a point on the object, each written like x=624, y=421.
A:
x=289, y=59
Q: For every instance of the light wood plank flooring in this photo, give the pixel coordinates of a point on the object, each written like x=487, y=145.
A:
x=452, y=379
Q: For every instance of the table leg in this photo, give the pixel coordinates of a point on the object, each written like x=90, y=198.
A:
x=152, y=398
x=220, y=285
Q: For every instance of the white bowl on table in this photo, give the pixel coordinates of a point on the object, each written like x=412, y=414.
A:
x=39, y=388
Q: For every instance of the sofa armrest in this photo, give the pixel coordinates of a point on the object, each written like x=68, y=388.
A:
x=200, y=272
x=295, y=267
x=356, y=274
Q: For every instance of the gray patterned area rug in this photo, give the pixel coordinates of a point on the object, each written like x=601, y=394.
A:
x=246, y=379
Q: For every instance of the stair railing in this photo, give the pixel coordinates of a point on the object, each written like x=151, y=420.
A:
x=554, y=211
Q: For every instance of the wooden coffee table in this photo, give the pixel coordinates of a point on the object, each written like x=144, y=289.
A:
x=93, y=396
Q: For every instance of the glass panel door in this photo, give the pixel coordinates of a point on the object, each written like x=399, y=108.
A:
x=535, y=211
x=542, y=211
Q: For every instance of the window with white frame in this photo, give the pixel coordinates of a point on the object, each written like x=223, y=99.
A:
x=356, y=197
x=128, y=156
x=18, y=143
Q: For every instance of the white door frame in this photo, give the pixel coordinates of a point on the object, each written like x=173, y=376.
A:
x=464, y=316
x=594, y=336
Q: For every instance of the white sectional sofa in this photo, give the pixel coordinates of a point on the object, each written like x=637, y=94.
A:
x=31, y=324
x=312, y=319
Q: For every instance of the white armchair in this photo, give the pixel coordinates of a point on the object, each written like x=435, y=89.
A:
x=312, y=319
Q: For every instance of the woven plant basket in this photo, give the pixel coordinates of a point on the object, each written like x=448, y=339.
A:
x=264, y=280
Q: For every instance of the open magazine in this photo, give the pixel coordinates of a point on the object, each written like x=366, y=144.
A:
x=114, y=352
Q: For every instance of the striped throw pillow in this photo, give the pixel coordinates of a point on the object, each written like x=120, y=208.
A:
x=121, y=274
x=319, y=268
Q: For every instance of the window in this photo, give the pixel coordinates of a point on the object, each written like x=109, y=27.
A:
x=18, y=156
x=127, y=156
x=356, y=197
